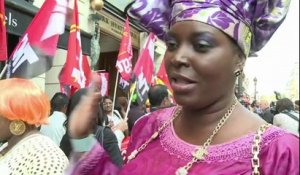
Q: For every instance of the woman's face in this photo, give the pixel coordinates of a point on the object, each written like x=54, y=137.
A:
x=107, y=105
x=200, y=61
x=4, y=127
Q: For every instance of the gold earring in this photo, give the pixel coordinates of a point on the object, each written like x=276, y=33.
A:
x=237, y=73
x=17, y=127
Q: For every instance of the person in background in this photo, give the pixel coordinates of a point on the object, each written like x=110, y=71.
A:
x=55, y=128
x=255, y=107
x=158, y=97
x=24, y=107
x=245, y=101
x=113, y=119
x=287, y=118
x=103, y=135
x=209, y=132
x=136, y=111
x=124, y=104
x=266, y=113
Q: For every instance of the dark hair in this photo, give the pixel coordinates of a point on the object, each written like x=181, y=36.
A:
x=74, y=100
x=123, y=102
x=157, y=94
x=284, y=104
x=104, y=118
x=254, y=103
x=65, y=143
x=106, y=97
x=118, y=107
x=58, y=101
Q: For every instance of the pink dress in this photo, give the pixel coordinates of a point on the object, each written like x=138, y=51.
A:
x=279, y=153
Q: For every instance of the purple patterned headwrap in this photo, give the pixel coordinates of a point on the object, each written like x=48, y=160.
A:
x=251, y=23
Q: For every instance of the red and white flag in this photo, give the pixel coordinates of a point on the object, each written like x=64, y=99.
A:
x=162, y=77
x=104, y=79
x=34, y=53
x=144, y=69
x=3, y=43
x=76, y=70
x=124, y=61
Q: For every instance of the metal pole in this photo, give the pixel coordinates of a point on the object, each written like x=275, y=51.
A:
x=2, y=72
x=115, y=91
x=130, y=99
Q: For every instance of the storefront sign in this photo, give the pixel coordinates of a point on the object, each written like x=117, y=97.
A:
x=16, y=21
x=115, y=27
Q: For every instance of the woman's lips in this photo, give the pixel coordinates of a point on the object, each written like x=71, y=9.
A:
x=181, y=84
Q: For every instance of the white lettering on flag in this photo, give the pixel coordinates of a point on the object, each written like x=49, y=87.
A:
x=104, y=85
x=23, y=53
x=142, y=84
x=78, y=78
x=123, y=83
x=57, y=18
x=124, y=65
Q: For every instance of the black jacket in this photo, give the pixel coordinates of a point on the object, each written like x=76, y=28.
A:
x=108, y=140
x=105, y=137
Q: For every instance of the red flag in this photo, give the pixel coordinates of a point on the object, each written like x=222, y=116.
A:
x=144, y=69
x=104, y=76
x=124, y=63
x=76, y=70
x=34, y=53
x=162, y=75
x=3, y=44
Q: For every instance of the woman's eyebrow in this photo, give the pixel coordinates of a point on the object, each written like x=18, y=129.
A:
x=202, y=33
x=170, y=34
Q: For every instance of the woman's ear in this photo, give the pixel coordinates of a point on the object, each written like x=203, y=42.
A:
x=240, y=61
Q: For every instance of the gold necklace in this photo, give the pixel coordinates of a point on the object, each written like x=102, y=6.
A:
x=199, y=153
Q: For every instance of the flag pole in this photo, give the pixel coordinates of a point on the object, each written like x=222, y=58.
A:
x=115, y=91
x=129, y=102
x=2, y=72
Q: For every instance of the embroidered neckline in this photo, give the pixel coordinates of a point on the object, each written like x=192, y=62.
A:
x=236, y=149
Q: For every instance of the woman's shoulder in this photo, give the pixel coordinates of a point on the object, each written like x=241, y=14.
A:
x=42, y=144
x=36, y=151
x=273, y=138
x=280, y=152
x=278, y=139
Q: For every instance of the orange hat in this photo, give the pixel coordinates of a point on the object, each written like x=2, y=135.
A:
x=21, y=99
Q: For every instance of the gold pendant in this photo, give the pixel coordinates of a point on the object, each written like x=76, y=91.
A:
x=132, y=155
x=154, y=136
x=200, y=153
x=181, y=171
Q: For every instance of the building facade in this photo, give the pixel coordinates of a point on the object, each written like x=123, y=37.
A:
x=101, y=33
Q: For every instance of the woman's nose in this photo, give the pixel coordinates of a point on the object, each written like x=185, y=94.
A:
x=180, y=57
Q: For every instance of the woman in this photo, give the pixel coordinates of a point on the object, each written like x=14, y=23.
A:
x=24, y=107
x=103, y=135
x=210, y=132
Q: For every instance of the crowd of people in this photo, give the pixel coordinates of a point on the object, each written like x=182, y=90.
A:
x=283, y=113
x=208, y=130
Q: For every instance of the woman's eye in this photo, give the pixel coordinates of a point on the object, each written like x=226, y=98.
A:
x=202, y=46
x=171, y=45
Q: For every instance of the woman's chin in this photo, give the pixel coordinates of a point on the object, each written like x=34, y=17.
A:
x=184, y=100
